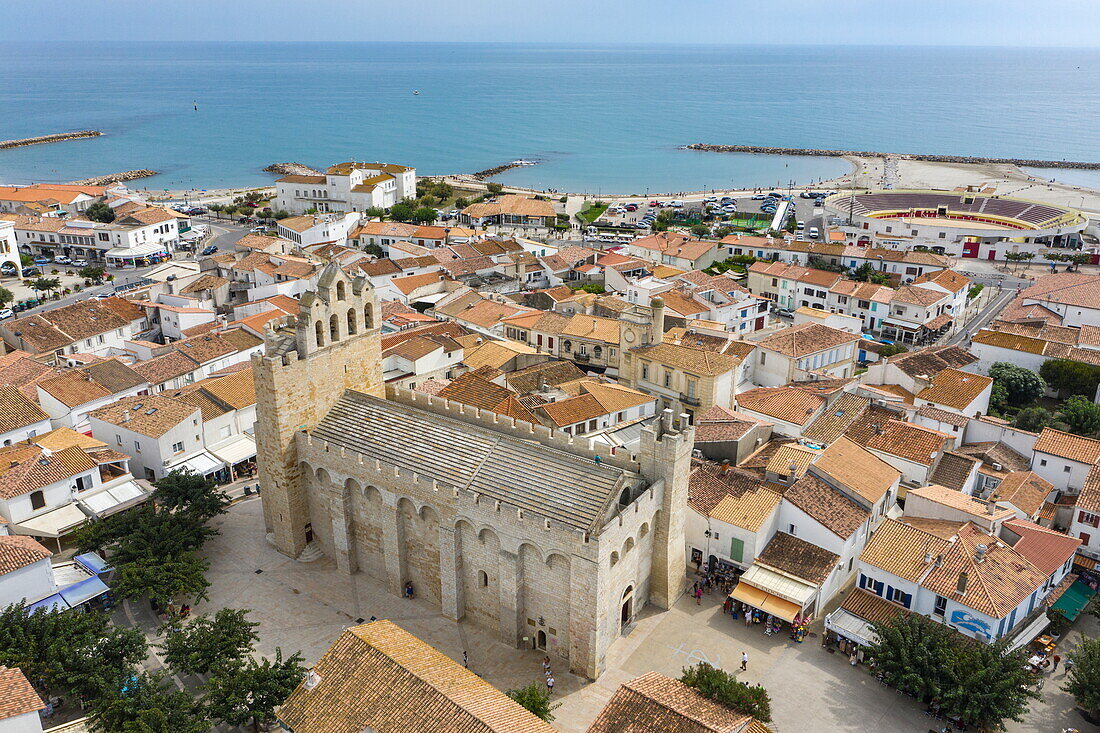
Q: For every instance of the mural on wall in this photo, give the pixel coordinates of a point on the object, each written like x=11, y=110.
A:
x=965, y=620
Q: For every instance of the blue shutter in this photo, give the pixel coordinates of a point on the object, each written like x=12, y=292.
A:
x=862, y=580
x=1000, y=628
x=889, y=593
x=878, y=587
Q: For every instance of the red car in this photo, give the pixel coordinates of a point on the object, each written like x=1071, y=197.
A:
x=652, y=204
x=631, y=207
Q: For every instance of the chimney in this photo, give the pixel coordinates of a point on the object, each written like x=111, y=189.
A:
x=991, y=506
x=928, y=558
x=979, y=552
x=666, y=420
x=960, y=586
x=939, y=560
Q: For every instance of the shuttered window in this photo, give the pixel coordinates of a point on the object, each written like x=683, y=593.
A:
x=737, y=549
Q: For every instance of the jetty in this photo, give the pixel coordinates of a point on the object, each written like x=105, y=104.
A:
x=931, y=158
x=43, y=139
x=114, y=178
x=490, y=172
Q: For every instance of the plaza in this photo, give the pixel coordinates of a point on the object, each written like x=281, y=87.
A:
x=305, y=607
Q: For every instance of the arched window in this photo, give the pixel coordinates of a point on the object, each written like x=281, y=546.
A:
x=351, y=321
x=598, y=351
x=319, y=332
x=341, y=291
x=568, y=345
x=614, y=559
x=334, y=328
x=38, y=500
x=368, y=317
x=482, y=578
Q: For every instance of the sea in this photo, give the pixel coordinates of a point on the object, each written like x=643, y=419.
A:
x=599, y=119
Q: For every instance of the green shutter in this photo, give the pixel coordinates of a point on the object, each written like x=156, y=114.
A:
x=737, y=549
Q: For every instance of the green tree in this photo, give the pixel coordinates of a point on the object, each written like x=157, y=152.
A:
x=249, y=691
x=1084, y=676
x=92, y=273
x=280, y=214
x=425, y=215
x=592, y=288
x=80, y=653
x=148, y=704
x=402, y=211
x=722, y=232
x=867, y=273
x=101, y=212
x=494, y=188
x=1021, y=386
x=1033, y=419
x=191, y=492
x=373, y=249
x=461, y=203
x=974, y=291
x=163, y=579
x=216, y=208
x=536, y=698
x=6, y=296
x=891, y=350
x=988, y=685
x=209, y=643
x=375, y=212
x=310, y=211
x=1081, y=414
x=1070, y=377
x=45, y=284
x=700, y=230
x=723, y=687
x=26, y=260
x=911, y=654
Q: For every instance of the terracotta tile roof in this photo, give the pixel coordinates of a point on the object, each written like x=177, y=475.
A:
x=654, y=703
x=953, y=470
x=944, y=416
x=805, y=339
x=837, y=418
x=911, y=442
x=204, y=282
x=870, y=607
x=54, y=329
x=948, y=279
x=1046, y=548
x=991, y=452
x=114, y=376
x=300, y=179
x=955, y=388
x=61, y=438
x=151, y=415
x=616, y=397
x=719, y=425
x=791, y=458
x=494, y=353
x=849, y=465
x=925, y=363
x=731, y=495
x=1024, y=490
x=17, y=696
x=834, y=511
x=238, y=390
x=211, y=346
x=18, y=369
x=472, y=389
x=1011, y=341
x=413, y=348
x=551, y=373
x=573, y=410
x=73, y=388
x=1076, y=289
x=168, y=366
x=511, y=204
x=1072, y=447
x=17, y=552
x=1089, y=498
x=675, y=244
x=17, y=410
x=25, y=467
x=797, y=557
x=379, y=677
x=592, y=327
x=789, y=404
x=914, y=295
x=696, y=361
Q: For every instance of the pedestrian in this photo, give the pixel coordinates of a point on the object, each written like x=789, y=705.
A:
x=546, y=664
x=1069, y=665
x=698, y=596
x=549, y=685
x=1056, y=660
x=465, y=659
x=744, y=661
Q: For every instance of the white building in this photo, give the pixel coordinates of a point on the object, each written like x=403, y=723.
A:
x=791, y=354
x=20, y=417
x=312, y=229
x=1064, y=460
x=350, y=186
x=159, y=435
x=22, y=703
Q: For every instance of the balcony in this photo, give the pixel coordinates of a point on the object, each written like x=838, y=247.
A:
x=585, y=358
x=693, y=401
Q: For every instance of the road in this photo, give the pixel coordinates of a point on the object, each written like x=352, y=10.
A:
x=995, y=306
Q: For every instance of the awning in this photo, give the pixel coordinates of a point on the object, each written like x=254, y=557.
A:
x=50, y=603
x=115, y=499
x=1073, y=600
x=851, y=626
x=433, y=298
x=766, y=602
x=199, y=464
x=778, y=584
x=1029, y=632
x=83, y=591
x=93, y=563
x=236, y=449
x=141, y=250
x=53, y=523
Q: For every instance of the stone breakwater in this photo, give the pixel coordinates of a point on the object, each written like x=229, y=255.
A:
x=292, y=169
x=114, y=178
x=490, y=172
x=42, y=139
x=1075, y=164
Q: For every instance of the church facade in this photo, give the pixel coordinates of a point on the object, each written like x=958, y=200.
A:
x=543, y=539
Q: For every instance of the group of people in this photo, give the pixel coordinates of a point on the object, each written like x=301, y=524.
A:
x=549, y=675
x=710, y=582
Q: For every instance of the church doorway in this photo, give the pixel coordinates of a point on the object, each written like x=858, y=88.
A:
x=627, y=608
x=309, y=533
x=540, y=639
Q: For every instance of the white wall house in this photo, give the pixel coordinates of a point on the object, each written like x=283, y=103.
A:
x=157, y=433
x=350, y=186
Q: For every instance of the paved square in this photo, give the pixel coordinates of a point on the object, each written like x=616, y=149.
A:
x=306, y=606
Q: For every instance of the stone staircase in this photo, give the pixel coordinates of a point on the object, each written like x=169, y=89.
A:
x=311, y=553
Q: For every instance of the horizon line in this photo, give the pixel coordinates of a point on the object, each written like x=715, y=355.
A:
x=593, y=44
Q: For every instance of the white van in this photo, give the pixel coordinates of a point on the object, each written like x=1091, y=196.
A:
x=813, y=232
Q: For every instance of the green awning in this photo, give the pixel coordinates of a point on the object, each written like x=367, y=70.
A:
x=1073, y=600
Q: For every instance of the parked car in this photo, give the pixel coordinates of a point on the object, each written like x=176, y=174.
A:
x=62, y=260
x=80, y=263
x=784, y=312
x=6, y=313
x=258, y=230
x=211, y=249
x=40, y=260
x=9, y=269
x=758, y=197
x=196, y=210
x=31, y=272
x=652, y=204
x=813, y=232
x=801, y=225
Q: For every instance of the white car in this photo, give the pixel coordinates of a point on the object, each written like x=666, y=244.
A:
x=6, y=313
x=801, y=225
x=62, y=260
x=813, y=232
x=676, y=204
x=80, y=263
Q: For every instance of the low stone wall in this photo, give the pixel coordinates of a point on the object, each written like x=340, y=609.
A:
x=42, y=139
x=490, y=172
x=704, y=147
x=114, y=178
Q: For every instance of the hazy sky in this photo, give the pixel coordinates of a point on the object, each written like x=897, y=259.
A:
x=886, y=22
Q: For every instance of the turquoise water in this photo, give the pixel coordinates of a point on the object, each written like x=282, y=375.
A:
x=597, y=118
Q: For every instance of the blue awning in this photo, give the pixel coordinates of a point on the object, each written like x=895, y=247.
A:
x=50, y=603
x=93, y=563
x=83, y=591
